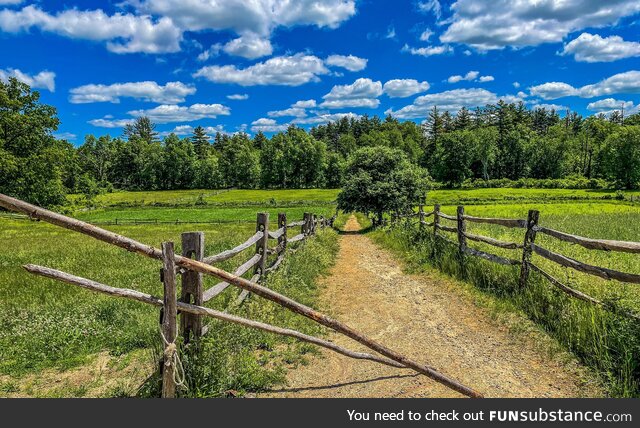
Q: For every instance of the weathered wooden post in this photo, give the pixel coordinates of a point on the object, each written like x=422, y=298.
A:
x=421, y=217
x=436, y=223
x=306, y=223
x=462, y=230
x=192, y=286
x=262, y=225
x=169, y=327
x=529, y=238
x=282, y=239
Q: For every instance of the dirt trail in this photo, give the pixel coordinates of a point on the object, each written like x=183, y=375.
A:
x=431, y=322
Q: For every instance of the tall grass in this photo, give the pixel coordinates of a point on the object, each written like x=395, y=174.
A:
x=234, y=360
x=604, y=340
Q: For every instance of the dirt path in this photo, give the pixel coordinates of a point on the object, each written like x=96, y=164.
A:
x=430, y=321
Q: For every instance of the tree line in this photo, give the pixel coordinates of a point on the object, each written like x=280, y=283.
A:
x=493, y=142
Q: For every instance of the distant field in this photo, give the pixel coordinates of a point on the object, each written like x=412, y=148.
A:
x=217, y=197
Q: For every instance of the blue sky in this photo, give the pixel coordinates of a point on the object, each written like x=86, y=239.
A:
x=233, y=65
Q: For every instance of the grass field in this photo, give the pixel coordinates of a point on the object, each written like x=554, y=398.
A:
x=607, y=342
x=47, y=326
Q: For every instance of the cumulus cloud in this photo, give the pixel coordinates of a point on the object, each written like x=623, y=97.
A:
x=322, y=118
x=594, y=48
x=289, y=112
x=42, y=80
x=250, y=46
x=171, y=93
x=495, y=24
x=10, y=2
x=555, y=107
x=109, y=122
x=471, y=76
x=238, y=97
x=621, y=83
x=304, y=104
x=212, y=52
x=128, y=33
x=426, y=35
x=609, y=104
x=124, y=33
x=361, y=93
x=294, y=70
x=267, y=125
x=183, y=130
x=174, y=113
x=402, y=88
x=351, y=62
x=452, y=100
x=553, y=90
x=428, y=51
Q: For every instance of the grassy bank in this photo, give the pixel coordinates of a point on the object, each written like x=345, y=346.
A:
x=608, y=342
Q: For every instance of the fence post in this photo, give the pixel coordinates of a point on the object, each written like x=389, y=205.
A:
x=282, y=224
x=306, y=223
x=192, y=286
x=262, y=225
x=436, y=223
x=462, y=230
x=169, y=327
x=529, y=238
x=421, y=216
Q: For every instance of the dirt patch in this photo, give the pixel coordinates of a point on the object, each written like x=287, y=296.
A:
x=104, y=376
x=426, y=319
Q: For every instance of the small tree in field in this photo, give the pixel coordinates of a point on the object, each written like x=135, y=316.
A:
x=379, y=180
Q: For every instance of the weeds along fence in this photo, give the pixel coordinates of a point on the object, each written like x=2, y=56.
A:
x=192, y=264
x=528, y=248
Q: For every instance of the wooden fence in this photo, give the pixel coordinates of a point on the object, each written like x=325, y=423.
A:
x=528, y=248
x=192, y=264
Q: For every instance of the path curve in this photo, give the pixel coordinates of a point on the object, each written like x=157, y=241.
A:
x=430, y=321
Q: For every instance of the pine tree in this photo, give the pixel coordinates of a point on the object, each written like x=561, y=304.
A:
x=200, y=141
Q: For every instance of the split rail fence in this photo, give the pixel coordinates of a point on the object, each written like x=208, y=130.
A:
x=528, y=248
x=191, y=265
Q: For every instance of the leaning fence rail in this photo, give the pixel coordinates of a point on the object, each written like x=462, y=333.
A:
x=173, y=261
x=529, y=248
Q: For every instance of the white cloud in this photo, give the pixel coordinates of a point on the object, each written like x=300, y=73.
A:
x=401, y=88
x=290, y=112
x=470, y=76
x=609, y=104
x=594, y=48
x=124, y=33
x=43, y=80
x=212, y=52
x=553, y=90
x=556, y=107
x=294, y=70
x=304, y=104
x=484, y=79
x=174, y=113
x=621, y=83
x=495, y=24
x=361, y=93
x=428, y=51
x=183, y=130
x=267, y=125
x=322, y=118
x=351, y=62
x=109, y=122
x=69, y=136
x=426, y=35
x=241, y=16
x=250, y=46
x=516, y=85
x=452, y=100
x=238, y=97
x=171, y=93
x=10, y=2
x=431, y=6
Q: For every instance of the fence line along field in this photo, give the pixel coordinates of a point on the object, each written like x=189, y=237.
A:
x=579, y=277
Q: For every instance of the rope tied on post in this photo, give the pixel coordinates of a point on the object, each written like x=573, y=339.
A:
x=172, y=357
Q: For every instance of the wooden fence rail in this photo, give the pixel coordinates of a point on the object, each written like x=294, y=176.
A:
x=529, y=247
x=308, y=228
